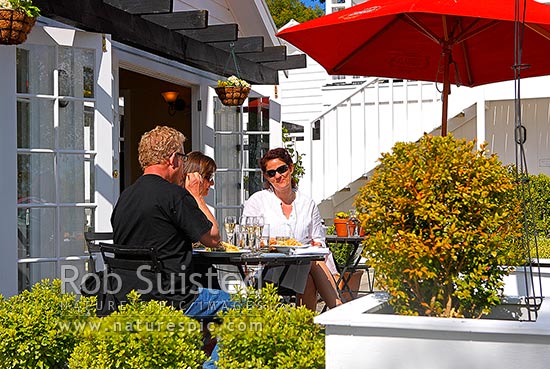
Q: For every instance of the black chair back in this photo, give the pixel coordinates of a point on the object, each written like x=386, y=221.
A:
x=92, y=244
x=127, y=269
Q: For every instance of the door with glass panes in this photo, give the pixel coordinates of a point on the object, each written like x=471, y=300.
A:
x=241, y=139
x=65, y=150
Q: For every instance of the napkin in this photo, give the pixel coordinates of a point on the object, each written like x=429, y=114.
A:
x=273, y=255
x=312, y=250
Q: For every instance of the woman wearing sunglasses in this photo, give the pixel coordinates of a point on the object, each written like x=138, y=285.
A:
x=291, y=213
x=204, y=165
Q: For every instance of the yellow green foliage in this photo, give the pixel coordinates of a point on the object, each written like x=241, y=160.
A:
x=263, y=334
x=442, y=219
x=141, y=335
x=36, y=326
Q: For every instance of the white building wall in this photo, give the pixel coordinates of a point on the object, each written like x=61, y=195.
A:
x=253, y=19
x=8, y=179
x=536, y=120
x=301, y=99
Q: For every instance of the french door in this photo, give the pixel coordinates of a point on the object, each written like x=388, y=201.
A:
x=242, y=137
x=65, y=150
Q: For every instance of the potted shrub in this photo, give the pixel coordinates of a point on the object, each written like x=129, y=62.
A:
x=341, y=220
x=442, y=219
x=17, y=17
x=233, y=91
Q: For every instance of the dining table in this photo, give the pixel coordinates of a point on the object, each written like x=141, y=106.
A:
x=260, y=262
x=351, y=264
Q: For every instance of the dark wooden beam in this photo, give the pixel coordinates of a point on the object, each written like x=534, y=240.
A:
x=270, y=54
x=214, y=33
x=189, y=19
x=133, y=30
x=253, y=44
x=142, y=7
x=291, y=62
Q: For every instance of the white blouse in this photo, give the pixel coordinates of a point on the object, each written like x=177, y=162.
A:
x=304, y=224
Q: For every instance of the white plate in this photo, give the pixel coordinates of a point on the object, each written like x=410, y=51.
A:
x=286, y=249
x=220, y=253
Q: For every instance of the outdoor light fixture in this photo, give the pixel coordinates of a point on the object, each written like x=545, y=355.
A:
x=174, y=102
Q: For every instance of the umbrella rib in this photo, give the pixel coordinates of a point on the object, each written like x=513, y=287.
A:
x=343, y=62
x=466, y=57
x=422, y=28
x=469, y=32
x=538, y=29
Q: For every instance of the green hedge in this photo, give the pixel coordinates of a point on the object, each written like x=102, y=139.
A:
x=141, y=335
x=45, y=328
x=36, y=327
x=263, y=334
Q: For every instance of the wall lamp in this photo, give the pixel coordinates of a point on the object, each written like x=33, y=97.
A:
x=174, y=102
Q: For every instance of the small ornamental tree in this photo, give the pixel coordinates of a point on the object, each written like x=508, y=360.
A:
x=441, y=220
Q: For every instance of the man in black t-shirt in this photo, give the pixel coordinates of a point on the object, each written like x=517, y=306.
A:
x=157, y=212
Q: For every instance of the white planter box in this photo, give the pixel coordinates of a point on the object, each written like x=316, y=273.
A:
x=358, y=338
x=515, y=282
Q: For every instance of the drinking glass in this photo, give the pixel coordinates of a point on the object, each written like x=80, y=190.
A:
x=264, y=238
x=240, y=234
x=229, y=225
x=259, y=229
x=250, y=225
x=353, y=224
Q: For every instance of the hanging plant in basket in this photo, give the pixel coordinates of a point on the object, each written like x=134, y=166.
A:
x=233, y=91
x=17, y=17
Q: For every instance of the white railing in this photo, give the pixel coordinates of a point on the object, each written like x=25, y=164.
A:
x=358, y=128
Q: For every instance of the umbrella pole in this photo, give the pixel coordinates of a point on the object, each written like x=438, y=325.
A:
x=446, y=90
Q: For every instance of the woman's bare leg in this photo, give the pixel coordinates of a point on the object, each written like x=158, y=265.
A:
x=325, y=284
x=309, y=297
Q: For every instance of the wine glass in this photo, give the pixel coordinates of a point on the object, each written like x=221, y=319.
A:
x=229, y=225
x=259, y=228
x=250, y=231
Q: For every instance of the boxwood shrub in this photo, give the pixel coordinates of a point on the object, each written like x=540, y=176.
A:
x=37, y=327
x=443, y=219
x=141, y=335
x=263, y=334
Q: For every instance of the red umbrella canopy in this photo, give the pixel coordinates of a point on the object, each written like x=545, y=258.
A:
x=406, y=39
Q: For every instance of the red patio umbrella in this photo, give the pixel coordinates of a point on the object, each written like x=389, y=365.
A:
x=463, y=42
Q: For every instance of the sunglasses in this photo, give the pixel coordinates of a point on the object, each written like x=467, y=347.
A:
x=209, y=178
x=182, y=156
x=281, y=170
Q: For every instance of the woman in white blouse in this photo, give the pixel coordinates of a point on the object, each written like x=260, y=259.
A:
x=291, y=213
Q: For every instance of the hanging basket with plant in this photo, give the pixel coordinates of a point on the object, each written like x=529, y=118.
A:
x=17, y=17
x=233, y=91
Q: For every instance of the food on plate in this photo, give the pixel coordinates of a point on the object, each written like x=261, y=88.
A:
x=227, y=247
x=289, y=242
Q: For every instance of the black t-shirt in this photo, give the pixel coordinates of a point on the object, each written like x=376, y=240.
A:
x=154, y=212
